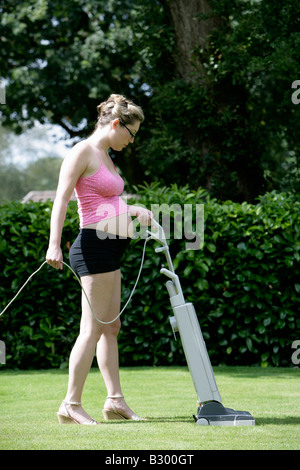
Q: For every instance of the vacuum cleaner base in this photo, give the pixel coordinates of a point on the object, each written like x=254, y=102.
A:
x=214, y=413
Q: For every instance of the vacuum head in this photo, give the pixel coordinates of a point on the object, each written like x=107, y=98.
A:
x=214, y=413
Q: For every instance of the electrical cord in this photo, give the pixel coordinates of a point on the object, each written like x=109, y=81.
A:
x=78, y=279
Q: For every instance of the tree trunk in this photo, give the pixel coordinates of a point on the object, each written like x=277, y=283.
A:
x=193, y=22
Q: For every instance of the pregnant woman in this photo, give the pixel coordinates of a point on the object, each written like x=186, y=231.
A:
x=105, y=230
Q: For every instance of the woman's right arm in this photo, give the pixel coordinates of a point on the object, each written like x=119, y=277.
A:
x=72, y=168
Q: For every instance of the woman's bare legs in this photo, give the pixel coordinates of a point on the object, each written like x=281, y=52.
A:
x=100, y=289
x=103, y=291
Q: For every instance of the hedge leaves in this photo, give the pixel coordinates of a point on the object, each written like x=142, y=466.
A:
x=244, y=284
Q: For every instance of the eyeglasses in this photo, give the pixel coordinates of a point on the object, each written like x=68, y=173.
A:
x=131, y=133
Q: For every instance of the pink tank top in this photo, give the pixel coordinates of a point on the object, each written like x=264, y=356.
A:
x=98, y=196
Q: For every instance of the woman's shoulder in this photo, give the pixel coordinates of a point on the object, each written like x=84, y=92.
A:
x=79, y=153
x=78, y=158
x=81, y=148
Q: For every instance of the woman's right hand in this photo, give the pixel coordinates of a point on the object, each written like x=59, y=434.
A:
x=54, y=257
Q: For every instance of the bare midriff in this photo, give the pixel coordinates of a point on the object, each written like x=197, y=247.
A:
x=120, y=225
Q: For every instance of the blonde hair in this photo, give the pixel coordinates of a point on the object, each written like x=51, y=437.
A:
x=118, y=107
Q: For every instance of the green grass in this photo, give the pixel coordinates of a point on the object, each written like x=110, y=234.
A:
x=29, y=401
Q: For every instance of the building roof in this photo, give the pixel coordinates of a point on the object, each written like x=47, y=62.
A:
x=42, y=196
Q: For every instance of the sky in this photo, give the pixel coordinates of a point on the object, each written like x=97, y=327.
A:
x=39, y=142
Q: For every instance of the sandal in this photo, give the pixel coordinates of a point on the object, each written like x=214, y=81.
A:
x=114, y=413
x=64, y=416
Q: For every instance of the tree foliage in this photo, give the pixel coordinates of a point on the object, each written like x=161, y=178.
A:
x=214, y=78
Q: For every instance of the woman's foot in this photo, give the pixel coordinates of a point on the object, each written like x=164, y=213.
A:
x=115, y=407
x=73, y=413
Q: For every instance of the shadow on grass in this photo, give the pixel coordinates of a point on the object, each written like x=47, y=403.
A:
x=263, y=421
x=161, y=419
x=285, y=420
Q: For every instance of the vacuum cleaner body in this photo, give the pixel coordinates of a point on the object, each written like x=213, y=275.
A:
x=185, y=322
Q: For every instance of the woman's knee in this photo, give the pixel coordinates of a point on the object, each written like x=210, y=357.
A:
x=93, y=331
x=90, y=335
x=112, y=328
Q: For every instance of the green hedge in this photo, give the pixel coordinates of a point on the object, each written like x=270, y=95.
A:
x=244, y=284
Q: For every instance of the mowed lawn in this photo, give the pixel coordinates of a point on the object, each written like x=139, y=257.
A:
x=166, y=396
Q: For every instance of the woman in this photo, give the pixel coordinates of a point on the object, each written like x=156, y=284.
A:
x=105, y=229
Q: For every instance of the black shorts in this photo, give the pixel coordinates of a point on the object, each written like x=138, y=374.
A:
x=96, y=252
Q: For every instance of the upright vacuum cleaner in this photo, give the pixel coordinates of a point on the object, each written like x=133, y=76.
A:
x=210, y=410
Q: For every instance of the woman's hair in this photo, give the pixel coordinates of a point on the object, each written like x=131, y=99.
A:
x=118, y=107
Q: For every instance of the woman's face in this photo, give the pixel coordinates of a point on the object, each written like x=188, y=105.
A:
x=123, y=134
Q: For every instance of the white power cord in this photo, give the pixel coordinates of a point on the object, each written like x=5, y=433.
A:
x=78, y=279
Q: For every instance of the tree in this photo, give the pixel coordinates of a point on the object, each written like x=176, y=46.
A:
x=62, y=58
x=55, y=57
x=193, y=24
x=228, y=120
x=213, y=76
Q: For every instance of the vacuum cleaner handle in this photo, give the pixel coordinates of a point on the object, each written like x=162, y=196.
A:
x=158, y=234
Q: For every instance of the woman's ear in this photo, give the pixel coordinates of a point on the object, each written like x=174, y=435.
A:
x=115, y=123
